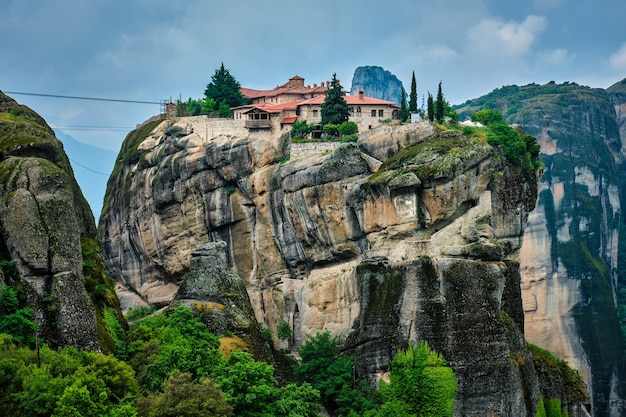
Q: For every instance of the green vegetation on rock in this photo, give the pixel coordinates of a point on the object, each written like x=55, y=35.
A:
x=558, y=381
x=421, y=382
x=434, y=158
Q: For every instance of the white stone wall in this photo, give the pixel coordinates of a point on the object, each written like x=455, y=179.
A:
x=207, y=128
x=298, y=150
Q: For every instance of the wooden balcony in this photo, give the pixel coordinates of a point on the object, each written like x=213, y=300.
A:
x=258, y=124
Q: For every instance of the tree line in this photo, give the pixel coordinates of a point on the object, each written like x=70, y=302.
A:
x=171, y=365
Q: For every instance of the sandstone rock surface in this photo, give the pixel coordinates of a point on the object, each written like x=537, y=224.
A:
x=424, y=248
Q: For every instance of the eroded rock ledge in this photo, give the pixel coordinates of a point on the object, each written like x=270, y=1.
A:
x=423, y=246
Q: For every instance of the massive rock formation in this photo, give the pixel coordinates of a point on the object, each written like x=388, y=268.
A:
x=378, y=83
x=422, y=246
x=44, y=219
x=569, y=259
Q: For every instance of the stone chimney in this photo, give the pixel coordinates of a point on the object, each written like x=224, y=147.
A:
x=171, y=111
x=361, y=94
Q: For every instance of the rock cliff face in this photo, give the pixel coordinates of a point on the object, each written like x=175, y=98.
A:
x=378, y=83
x=569, y=259
x=44, y=220
x=422, y=246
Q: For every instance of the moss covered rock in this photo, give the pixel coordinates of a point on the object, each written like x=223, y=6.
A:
x=43, y=217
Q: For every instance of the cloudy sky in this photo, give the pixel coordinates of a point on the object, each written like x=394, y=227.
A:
x=150, y=50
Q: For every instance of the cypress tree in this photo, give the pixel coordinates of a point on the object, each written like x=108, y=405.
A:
x=335, y=110
x=404, y=112
x=439, y=106
x=413, y=95
x=430, y=107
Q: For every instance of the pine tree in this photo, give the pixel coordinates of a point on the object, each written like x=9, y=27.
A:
x=225, y=88
x=335, y=110
x=439, y=106
x=404, y=112
x=413, y=95
x=430, y=107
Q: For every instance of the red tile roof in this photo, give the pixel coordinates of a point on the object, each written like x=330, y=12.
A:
x=289, y=120
x=352, y=101
x=270, y=108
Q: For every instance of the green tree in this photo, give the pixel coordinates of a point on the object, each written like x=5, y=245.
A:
x=208, y=105
x=223, y=109
x=413, y=95
x=439, y=105
x=67, y=383
x=225, y=88
x=404, y=112
x=249, y=386
x=421, y=379
x=193, y=107
x=300, y=129
x=335, y=109
x=297, y=401
x=183, y=397
x=487, y=116
x=163, y=343
x=430, y=108
x=16, y=321
x=332, y=375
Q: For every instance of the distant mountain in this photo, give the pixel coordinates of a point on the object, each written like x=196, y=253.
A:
x=92, y=166
x=573, y=281
x=378, y=83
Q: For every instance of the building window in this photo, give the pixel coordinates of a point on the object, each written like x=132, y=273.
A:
x=358, y=111
x=381, y=113
x=373, y=113
x=314, y=113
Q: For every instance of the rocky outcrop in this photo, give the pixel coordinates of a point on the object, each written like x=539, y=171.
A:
x=422, y=246
x=378, y=83
x=220, y=298
x=569, y=259
x=43, y=217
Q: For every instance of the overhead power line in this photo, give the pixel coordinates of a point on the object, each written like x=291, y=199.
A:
x=87, y=168
x=96, y=128
x=83, y=98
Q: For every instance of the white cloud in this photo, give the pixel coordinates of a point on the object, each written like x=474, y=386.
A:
x=495, y=37
x=437, y=53
x=557, y=56
x=618, y=59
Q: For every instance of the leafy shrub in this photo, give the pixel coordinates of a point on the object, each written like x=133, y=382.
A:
x=347, y=128
x=137, y=313
x=283, y=331
x=349, y=138
x=487, y=116
x=505, y=137
x=300, y=129
x=331, y=129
